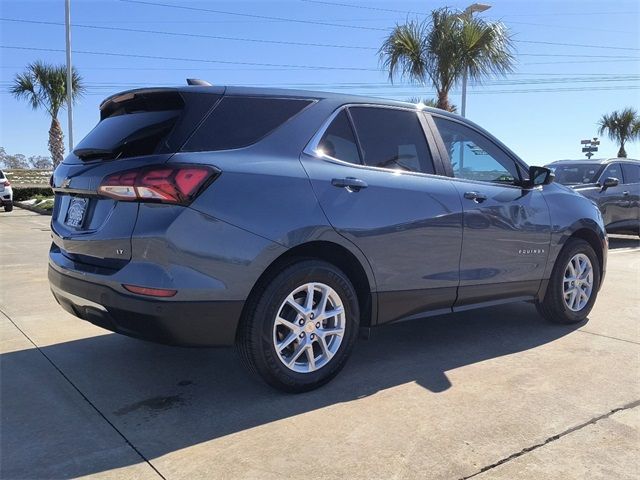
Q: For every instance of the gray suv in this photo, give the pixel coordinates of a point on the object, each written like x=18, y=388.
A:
x=612, y=183
x=284, y=222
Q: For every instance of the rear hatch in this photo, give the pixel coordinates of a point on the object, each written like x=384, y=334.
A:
x=137, y=129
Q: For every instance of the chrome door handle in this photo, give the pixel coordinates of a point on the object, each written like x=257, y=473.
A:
x=475, y=196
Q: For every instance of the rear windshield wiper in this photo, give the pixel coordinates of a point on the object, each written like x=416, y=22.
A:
x=89, y=153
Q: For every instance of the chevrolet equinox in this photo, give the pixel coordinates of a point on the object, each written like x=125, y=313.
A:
x=285, y=221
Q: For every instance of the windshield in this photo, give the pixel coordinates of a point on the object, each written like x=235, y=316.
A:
x=576, y=173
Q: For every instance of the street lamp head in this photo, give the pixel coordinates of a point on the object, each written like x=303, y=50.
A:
x=476, y=8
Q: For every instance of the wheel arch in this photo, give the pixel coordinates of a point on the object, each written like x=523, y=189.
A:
x=357, y=271
x=594, y=240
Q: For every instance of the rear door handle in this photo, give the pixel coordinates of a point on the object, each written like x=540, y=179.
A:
x=625, y=193
x=475, y=196
x=351, y=183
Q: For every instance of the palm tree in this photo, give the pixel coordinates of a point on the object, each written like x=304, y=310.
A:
x=442, y=49
x=45, y=86
x=621, y=127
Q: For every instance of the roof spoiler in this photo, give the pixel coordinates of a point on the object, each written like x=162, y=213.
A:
x=197, y=81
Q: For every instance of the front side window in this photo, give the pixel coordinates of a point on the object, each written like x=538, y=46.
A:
x=631, y=173
x=392, y=138
x=613, y=171
x=473, y=156
x=339, y=141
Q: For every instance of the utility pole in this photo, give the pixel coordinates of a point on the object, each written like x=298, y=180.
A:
x=67, y=23
x=467, y=13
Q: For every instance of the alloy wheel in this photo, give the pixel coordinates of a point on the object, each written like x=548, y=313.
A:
x=309, y=327
x=578, y=282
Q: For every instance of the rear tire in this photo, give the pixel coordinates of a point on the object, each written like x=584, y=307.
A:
x=573, y=286
x=299, y=329
x=8, y=207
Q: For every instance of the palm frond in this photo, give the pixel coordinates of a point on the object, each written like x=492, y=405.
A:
x=45, y=86
x=620, y=126
x=404, y=52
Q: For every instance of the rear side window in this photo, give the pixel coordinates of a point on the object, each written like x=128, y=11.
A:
x=339, y=141
x=392, y=138
x=631, y=173
x=241, y=121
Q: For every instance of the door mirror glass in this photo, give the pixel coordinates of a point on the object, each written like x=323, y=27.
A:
x=610, y=182
x=540, y=176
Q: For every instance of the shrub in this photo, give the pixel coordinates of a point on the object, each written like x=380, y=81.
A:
x=20, y=194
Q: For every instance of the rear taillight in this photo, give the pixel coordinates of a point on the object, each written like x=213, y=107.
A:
x=7, y=183
x=167, y=184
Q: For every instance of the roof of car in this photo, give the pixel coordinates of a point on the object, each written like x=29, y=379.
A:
x=279, y=92
x=595, y=161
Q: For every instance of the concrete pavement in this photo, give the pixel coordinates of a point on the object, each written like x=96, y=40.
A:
x=494, y=393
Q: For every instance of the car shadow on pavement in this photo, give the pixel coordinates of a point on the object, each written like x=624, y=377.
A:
x=164, y=399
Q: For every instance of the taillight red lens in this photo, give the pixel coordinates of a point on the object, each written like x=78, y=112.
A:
x=172, y=184
x=7, y=183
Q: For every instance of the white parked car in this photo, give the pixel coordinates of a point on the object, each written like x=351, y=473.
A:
x=6, y=193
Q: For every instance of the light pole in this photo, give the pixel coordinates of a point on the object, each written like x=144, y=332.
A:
x=468, y=12
x=67, y=23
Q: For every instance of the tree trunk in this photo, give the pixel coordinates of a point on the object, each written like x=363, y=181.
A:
x=443, y=101
x=622, y=153
x=56, y=142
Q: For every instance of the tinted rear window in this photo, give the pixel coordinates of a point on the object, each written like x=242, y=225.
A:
x=127, y=135
x=241, y=121
x=339, y=141
x=392, y=138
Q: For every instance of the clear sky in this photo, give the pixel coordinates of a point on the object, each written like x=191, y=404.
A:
x=542, y=111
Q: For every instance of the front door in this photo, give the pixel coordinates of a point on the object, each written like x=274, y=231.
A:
x=506, y=234
x=612, y=201
x=372, y=172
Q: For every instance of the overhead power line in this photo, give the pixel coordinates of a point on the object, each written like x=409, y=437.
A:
x=256, y=64
x=250, y=15
x=364, y=7
x=184, y=59
x=183, y=34
x=305, y=44
x=188, y=69
x=413, y=12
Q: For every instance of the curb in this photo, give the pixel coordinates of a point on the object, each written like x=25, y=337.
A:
x=24, y=206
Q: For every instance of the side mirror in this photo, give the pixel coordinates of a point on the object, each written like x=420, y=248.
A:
x=610, y=182
x=540, y=176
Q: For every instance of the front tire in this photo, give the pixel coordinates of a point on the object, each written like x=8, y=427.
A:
x=299, y=331
x=573, y=286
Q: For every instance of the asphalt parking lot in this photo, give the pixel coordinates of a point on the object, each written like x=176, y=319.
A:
x=494, y=393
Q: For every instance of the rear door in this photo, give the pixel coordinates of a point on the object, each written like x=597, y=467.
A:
x=373, y=173
x=506, y=227
x=631, y=192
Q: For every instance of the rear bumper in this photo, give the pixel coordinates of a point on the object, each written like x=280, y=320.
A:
x=194, y=323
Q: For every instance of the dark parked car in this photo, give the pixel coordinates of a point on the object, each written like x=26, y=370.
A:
x=613, y=184
x=285, y=221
